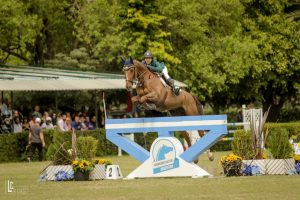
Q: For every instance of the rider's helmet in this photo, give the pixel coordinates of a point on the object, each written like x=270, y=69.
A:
x=148, y=54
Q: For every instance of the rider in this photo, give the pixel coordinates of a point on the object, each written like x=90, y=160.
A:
x=156, y=66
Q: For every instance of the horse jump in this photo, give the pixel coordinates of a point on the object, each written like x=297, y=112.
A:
x=152, y=94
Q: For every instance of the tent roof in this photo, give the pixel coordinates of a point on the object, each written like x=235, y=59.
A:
x=25, y=78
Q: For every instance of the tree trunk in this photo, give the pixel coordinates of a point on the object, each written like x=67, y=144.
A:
x=276, y=106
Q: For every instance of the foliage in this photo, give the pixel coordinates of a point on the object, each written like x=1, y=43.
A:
x=227, y=52
x=82, y=165
x=58, y=149
x=278, y=144
x=242, y=144
x=87, y=147
x=232, y=165
x=259, y=134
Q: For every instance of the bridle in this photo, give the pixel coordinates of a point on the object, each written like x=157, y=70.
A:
x=137, y=77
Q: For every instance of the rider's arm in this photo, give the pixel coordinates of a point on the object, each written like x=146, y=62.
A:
x=156, y=66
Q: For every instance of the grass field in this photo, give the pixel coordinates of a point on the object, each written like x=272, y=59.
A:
x=26, y=185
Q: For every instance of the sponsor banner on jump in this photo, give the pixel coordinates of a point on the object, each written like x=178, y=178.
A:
x=164, y=156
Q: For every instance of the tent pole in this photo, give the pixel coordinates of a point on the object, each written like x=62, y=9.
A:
x=12, y=110
x=96, y=108
x=56, y=105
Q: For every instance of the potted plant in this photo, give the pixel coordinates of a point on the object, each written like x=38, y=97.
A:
x=281, y=152
x=264, y=151
x=232, y=165
x=82, y=169
x=99, y=171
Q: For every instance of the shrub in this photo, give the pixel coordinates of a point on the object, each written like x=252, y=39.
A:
x=278, y=144
x=242, y=144
x=58, y=149
x=87, y=147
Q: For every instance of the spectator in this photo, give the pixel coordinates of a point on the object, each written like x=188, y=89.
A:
x=3, y=106
x=36, y=112
x=25, y=124
x=54, y=119
x=77, y=124
x=68, y=126
x=17, y=125
x=62, y=122
x=36, y=140
x=48, y=123
x=45, y=116
x=32, y=121
x=84, y=123
x=92, y=123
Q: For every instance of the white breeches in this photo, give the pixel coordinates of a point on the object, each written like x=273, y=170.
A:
x=165, y=73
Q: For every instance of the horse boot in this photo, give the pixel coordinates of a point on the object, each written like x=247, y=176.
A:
x=175, y=89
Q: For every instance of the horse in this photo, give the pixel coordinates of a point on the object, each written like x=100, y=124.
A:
x=152, y=94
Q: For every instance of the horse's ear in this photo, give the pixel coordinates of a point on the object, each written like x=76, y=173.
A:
x=123, y=60
x=131, y=60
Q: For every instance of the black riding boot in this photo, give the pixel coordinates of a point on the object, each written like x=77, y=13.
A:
x=175, y=89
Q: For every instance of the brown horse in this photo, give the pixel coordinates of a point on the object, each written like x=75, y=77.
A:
x=152, y=94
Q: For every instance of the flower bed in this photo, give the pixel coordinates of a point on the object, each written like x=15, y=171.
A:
x=272, y=166
x=232, y=165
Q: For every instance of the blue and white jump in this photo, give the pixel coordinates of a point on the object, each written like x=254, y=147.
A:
x=166, y=157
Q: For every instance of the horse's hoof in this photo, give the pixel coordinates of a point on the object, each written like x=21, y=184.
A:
x=196, y=161
x=210, y=156
x=140, y=107
x=150, y=106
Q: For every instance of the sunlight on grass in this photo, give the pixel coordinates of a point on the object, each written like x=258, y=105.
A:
x=25, y=181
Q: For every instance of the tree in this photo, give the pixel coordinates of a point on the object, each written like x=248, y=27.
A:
x=18, y=29
x=208, y=37
x=278, y=40
x=34, y=30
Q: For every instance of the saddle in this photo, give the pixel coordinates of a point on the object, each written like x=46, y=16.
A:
x=161, y=78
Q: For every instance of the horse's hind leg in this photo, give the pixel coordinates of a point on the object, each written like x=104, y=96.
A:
x=210, y=155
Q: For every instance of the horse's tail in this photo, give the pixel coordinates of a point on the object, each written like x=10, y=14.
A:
x=199, y=105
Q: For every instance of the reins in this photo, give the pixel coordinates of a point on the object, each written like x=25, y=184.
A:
x=136, y=76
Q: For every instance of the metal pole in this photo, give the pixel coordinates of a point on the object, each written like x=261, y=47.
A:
x=96, y=109
x=56, y=105
x=12, y=104
x=104, y=106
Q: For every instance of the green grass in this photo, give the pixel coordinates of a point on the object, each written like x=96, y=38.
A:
x=26, y=185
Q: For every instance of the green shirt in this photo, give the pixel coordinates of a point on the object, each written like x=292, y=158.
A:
x=155, y=66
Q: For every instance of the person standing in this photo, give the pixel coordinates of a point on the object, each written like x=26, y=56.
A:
x=36, y=140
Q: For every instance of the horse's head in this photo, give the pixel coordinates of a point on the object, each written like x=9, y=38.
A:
x=130, y=73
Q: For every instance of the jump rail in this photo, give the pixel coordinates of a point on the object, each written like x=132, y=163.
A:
x=216, y=125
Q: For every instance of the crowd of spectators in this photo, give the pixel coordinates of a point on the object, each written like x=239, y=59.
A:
x=14, y=121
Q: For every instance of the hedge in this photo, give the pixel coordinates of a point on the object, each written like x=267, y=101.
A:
x=13, y=146
x=292, y=127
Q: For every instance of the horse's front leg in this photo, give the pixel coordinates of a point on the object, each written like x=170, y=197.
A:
x=135, y=99
x=151, y=97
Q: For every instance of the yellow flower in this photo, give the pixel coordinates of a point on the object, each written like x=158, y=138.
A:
x=75, y=162
x=297, y=157
x=81, y=165
x=101, y=161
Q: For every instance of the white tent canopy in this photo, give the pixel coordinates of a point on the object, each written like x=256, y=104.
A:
x=47, y=79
